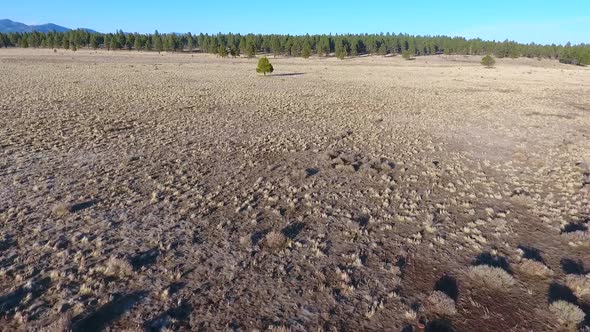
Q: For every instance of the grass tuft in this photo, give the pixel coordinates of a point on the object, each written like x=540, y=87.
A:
x=491, y=277
x=567, y=314
x=440, y=304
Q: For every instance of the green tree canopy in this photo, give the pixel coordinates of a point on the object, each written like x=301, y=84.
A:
x=222, y=51
x=303, y=45
x=264, y=66
x=137, y=44
x=94, y=41
x=488, y=61
x=306, y=51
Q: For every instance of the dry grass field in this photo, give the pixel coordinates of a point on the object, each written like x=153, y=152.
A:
x=174, y=192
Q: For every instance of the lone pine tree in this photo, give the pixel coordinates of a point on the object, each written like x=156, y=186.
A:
x=488, y=61
x=264, y=66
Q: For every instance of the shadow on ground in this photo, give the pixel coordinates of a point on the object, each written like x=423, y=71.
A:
x=288, y=74
x=108, y=313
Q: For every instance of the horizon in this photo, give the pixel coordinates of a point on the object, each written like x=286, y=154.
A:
x=524, y=22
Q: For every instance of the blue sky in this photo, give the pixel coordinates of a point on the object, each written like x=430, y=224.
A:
x=524, y=21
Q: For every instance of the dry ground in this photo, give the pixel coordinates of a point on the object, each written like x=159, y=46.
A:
x=180, y=192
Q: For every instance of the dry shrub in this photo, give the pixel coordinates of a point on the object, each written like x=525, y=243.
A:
x=567, y=314
x=275, y=241
x=411, y=316
x=578, y=238
x=534, y=268
x=491, y=277
x=85, y=290
x=62, y=324
x=60, y=210
x=397, y=276
x=118, y=267
x=439, y=303
x=579, y=284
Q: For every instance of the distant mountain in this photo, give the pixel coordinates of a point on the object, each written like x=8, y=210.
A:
x=7, y=26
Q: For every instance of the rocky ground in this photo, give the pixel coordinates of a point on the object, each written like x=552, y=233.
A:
x=150, y=192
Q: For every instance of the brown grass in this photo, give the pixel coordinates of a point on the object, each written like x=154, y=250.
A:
x=118, y=267
x=534, y=268
x=378, y=174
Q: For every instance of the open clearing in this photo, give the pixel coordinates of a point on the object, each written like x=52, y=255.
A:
x=148, y=191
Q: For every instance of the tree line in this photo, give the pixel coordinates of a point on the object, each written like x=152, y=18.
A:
x=341, y=46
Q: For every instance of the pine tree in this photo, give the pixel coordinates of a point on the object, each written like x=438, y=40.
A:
x=234, y=51
x=340, y=49
x=23, y=43
x=94, y=41
x=114, y=43
x=137, y=44
x=306, y=51
x=294, y=50
x=166, y=43
x=250, y=48
x=276, y=46
x=264, y=66
x=159, y=45
x=488, y=61
x=222, y=51
x=303, y=46
x=354, y=48
x=323, y=46
x=191, y=44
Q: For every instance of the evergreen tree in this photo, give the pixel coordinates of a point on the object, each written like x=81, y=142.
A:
x=190, y=44
x=250, y=49
x=115, y=43
x=137, y=43
x=354, y=48
x=148, y=44
x=340, y=49
x=222, y=51
x=488, y=61
x=23, y=43
x=159, y=45
x=234, y=51
x=306, y=51
x=294, y=50
x=323, y=46
x=120, y=39
x=129, y=42
x=264, y=66
x=276, y=46
x=94, y=41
